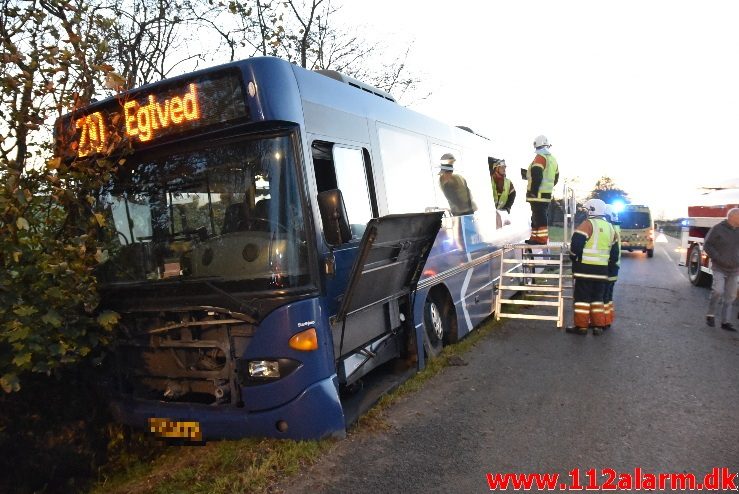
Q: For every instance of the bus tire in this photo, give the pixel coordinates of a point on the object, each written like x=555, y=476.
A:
x=696, y=276
x=435, y=323
x=650, y=252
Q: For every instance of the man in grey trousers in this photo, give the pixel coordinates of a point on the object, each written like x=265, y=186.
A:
x=722, y=246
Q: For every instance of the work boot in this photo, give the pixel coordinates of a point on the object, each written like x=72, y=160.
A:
x=576, y=330
x=597, y=331
x=728, y=326
x=531, y=241
x=710, y=321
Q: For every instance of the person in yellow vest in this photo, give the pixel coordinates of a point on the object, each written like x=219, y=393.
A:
x=504, y=192
x=613, y=268
x=542, y=175
x=455, y=188
x=593, y=247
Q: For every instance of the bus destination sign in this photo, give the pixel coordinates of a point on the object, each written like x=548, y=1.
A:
x=149, y=116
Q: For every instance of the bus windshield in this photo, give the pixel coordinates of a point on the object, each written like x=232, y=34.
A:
x=230, y=212
x=634, y=220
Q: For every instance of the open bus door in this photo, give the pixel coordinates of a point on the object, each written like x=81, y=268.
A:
x=374, y=322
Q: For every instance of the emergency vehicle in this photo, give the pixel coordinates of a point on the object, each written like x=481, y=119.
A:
x=637, y=229
x=709, y=209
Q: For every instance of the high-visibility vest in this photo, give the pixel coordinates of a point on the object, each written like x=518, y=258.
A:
x=597, y=248
x=547, y=180
x=501, y=197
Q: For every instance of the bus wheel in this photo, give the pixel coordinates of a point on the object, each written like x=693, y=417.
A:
x=436, y=324
x=695, y=275
x=650, y=252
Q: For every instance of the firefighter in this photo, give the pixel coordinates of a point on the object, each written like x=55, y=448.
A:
x=542, y=175
x=592, y=248
x=503, y=191
x=613, y=269
x=455, y=188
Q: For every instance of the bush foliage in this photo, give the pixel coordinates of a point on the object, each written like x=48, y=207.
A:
x=48, y=250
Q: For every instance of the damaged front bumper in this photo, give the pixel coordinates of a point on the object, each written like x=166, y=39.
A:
x=315, y=413
x=189, y=370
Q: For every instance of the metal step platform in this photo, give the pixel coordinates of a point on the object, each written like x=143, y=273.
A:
x=538, y=277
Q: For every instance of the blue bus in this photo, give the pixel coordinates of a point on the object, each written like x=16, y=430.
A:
x=280, y=234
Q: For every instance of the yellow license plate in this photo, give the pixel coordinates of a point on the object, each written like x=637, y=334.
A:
x=175, y=429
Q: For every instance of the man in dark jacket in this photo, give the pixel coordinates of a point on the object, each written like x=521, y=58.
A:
x=722, y=246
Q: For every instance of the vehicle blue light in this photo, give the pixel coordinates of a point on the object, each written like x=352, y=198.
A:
x=618, y=206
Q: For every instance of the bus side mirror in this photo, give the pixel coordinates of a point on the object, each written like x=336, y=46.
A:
x=333, y=216
x=524, y=173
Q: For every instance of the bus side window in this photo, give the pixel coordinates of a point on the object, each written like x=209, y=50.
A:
x=323, y=165
x=338, y=167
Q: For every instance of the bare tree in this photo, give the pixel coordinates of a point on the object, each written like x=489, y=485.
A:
x=51, y=52
x=307, y=32
x=150, y=39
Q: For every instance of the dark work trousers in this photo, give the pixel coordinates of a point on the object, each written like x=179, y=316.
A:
x=608, y=301
x=588, y=298
x=539, y=222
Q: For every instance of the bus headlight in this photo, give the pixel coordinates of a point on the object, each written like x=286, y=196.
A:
x=261, y=369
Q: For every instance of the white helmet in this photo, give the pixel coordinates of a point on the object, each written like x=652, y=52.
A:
x=541, y=142
x=595, y=207
x=447, y=162
x=611, y=215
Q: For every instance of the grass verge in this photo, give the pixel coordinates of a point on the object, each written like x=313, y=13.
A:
x=247, y=465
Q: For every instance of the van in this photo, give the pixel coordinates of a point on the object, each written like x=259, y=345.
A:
x=637, y=229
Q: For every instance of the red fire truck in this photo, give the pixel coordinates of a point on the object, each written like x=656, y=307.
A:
x=710, y=209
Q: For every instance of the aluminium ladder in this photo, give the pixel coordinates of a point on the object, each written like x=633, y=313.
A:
x=539, y=274
x=540, y=278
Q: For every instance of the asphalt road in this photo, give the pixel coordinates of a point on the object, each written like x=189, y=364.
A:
x=659, y=391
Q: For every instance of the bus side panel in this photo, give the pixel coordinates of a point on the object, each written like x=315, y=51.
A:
x=471, y=290
x=446, y=263
x=478, y=296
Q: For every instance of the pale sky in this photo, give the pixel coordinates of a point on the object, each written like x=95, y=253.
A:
x=645, y=92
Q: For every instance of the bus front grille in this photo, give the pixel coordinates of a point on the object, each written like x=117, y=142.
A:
x=185, y=357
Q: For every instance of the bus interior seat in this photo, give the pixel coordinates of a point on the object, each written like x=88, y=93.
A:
x=234, y=218
x=261, y=209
